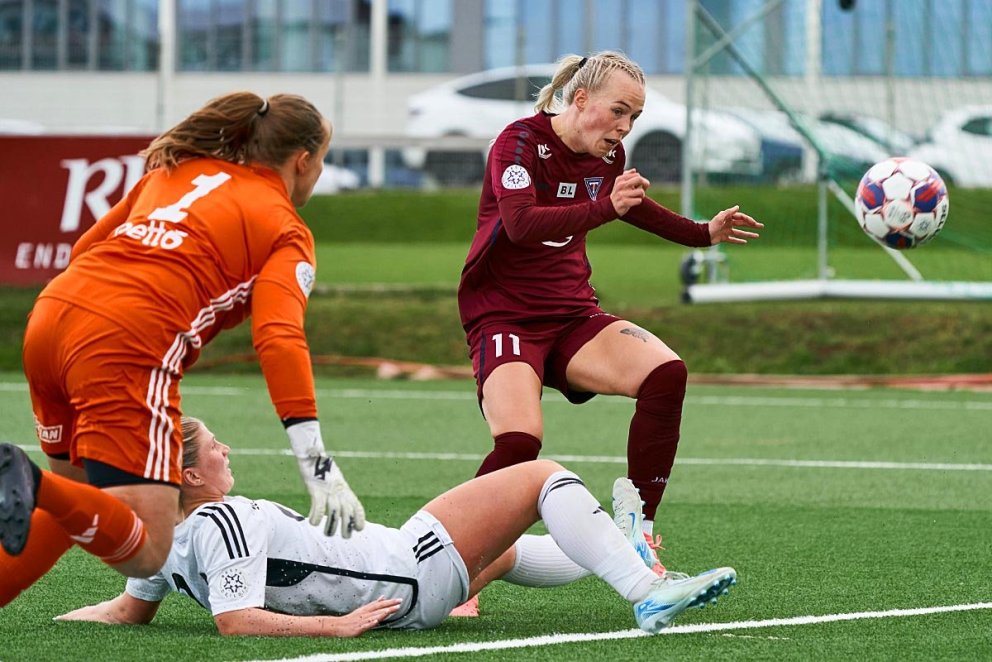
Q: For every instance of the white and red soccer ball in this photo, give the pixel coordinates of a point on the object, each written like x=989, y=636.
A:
x=901, y=202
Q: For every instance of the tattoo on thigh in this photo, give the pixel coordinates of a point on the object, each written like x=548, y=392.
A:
x=640, y=334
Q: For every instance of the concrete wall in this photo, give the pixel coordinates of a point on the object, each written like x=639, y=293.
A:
x=363, y=106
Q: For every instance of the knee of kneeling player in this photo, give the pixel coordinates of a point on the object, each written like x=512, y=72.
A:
x=666, y=381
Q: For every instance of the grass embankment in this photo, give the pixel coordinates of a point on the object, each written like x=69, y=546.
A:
x=813, y=338
x=398, y=216
x=416, y=243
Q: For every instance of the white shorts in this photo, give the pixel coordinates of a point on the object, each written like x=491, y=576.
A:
x=442, y=578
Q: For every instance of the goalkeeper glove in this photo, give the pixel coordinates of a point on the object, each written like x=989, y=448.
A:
x=329, y=491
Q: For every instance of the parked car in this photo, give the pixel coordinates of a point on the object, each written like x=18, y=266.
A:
x=334, y=179
x=959, y=146
x=850, y=153
x=480, y=106
x=895, y=141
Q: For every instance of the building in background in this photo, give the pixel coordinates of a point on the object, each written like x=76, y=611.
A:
x=76, y=64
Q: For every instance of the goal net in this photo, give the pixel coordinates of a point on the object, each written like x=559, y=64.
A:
x=831, y=87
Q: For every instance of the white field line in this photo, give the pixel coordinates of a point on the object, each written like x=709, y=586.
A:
x=554, y=397
x=610, y=459
x=551, y=640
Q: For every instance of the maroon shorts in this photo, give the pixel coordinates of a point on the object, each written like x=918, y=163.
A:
x=547, y=347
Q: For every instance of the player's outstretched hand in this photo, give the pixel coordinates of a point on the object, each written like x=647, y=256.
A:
x=366, y=617
x=330, y=494
x=628, y=191
x=93, y=613
x=725, y=227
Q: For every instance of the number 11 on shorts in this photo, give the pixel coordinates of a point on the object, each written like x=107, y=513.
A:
x=514, y=343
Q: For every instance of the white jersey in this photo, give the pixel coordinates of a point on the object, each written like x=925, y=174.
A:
x=239, y=554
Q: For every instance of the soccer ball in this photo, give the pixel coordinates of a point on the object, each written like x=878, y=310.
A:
x=901, y=202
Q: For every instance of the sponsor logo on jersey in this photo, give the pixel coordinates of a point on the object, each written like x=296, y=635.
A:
x=233, y=584
x=543, y=151
x=566, y=189
x=592, y=186
x=558, y=244
x=305, y=277
x=48, y=434
x=155, y=234
x=611, y=156
x=515, y=177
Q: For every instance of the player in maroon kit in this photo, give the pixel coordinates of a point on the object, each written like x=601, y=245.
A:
x=530, y=315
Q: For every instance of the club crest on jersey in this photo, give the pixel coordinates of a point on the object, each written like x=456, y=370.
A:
x=305, y=277
x=592, y=186
x=515, y=177
x=233, y=584
x=566, y=189
x=611, y=156
x=543, y=152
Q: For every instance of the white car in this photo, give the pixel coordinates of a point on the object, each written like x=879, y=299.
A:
x=959, y=146
x=480, y=106
x=334, y=179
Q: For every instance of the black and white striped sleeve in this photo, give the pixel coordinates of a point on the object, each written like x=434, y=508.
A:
x=231, y=547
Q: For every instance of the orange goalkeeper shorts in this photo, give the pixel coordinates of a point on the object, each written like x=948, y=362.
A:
x=99, y=393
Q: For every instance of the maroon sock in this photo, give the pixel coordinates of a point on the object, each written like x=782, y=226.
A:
x=654, y=432
x=510, y=448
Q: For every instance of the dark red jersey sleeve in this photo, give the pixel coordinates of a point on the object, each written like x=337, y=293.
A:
x=665, y=223
x=527, y=223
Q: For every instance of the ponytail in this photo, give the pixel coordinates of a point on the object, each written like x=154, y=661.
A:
x=241, y=127
x=590, y=73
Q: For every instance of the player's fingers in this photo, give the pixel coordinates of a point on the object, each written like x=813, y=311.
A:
x=744, y=233
x=332, y=522
x=316, y=510
x=744, y=219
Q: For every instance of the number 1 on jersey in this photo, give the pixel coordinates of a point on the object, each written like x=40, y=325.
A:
x=175, y=213
x=514, y=343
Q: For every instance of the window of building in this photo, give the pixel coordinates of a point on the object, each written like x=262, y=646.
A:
x=949, y=38
x=107, y=35
x=419, y=35
x=273, y=35
x=535, y=31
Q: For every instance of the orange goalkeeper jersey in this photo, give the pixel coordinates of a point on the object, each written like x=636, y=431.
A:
x=188, y=253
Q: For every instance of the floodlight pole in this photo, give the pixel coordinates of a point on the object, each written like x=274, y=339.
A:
x=690, y=74
x=166, y=64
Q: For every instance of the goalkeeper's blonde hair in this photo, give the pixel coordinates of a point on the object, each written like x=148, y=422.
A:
x=591, y=73
x=241, y=127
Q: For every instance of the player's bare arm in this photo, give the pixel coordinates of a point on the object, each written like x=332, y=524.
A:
x=260, y=622
x=125, y=609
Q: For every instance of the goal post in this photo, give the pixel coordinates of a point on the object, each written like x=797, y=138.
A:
x=831, y=88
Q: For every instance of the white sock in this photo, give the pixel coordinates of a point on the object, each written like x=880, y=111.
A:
x=541, y=563
x=648, y=527
x=588, y=536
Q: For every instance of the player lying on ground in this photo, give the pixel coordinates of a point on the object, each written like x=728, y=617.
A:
x=262, y=569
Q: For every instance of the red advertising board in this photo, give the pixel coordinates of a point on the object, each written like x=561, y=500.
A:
x=53, y=188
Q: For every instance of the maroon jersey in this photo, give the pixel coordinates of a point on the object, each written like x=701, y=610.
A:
x=539, y=200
